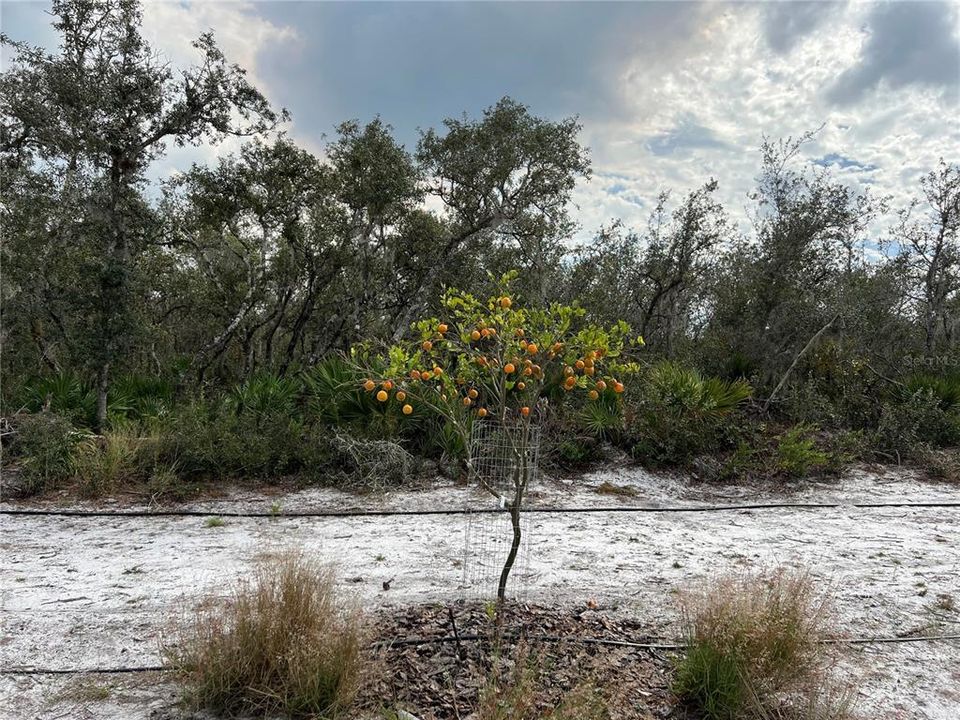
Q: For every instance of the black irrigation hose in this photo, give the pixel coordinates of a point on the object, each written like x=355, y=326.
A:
x=465, y=511
x=401, y=642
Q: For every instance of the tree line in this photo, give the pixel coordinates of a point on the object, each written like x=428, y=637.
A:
x=271, y=258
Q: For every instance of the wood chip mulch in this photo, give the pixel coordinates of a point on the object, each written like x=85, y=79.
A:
x=446, y=680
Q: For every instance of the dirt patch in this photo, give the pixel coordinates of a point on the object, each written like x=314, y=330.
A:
x=444, y=680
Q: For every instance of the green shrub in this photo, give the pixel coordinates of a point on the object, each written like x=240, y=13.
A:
x=64, y=394
x=945, y=389
x=44, y=445
x=755, y=652
x=679, y=413
x=797, y=453
x=240, y=439
x=264, y=397
x=286, y=642
x=143, y=397
x=572, y=452
x=915, y=421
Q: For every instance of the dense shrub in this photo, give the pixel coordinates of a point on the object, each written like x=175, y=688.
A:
x=130, y=397
x=43, y=445
x=794, y=452
x=286, y=642
x=64, y=394
x=797, y=453
x=677, y=413
x=755, y=651
x=914, y=422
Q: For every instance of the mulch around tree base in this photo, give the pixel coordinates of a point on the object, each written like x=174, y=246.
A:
x=441, y=680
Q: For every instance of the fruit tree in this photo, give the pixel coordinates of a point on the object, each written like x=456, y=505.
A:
x=497, y=362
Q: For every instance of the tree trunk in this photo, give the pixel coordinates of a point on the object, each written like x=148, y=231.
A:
x=520, y=480
x=103, y=386
x=512, y=556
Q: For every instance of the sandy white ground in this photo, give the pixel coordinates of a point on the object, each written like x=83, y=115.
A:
x=98, y=592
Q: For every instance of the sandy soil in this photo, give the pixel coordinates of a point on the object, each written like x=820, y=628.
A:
x=99, y=592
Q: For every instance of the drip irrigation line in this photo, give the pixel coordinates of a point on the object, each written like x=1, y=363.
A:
x=85, y=671
x=27, y=512
x=402, y=642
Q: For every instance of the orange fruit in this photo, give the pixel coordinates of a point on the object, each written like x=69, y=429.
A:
x=580, y=364
x=473, y=393
x=382, y=396
x=601, y=385
x=591, y=355
x=525, y=411
x=425, y=375
x=521, y=386
x=485, y=332
x=415, y=374
x=505, y=302
x=532, y=348
x=401, y=396
x=518, y=332
x=481, y=361
x=437, y=371
x=568, y=370
x=475, y=335
x=523, y=344
x=492, y=331
x=618, y=387
x=589, y=370
x=467, y=402
x=427, y=346
x=570, y=382
x=481, y=412
x=593, y=394
x=369, y=385
x=528, y=371
x=442, y=328
x=407, y=409
x=388, y=385
x=508, y=368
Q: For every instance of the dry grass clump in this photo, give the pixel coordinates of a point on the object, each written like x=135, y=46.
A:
x=284, y=643
x=755, y=651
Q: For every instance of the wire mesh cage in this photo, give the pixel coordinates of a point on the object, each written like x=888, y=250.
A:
x=501, y=450
x=503, y=456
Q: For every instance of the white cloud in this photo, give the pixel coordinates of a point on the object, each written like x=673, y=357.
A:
x=702, y=111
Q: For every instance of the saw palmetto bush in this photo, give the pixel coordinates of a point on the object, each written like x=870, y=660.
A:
x=755, y=650
x=264, y=396
x=680, y=413
x=64, y=393
x=286, y=641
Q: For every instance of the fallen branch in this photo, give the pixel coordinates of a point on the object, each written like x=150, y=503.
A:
x=810, y=343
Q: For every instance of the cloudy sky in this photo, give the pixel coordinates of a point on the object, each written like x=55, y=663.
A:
x=669, y=93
